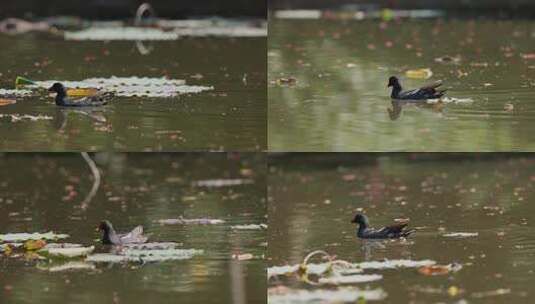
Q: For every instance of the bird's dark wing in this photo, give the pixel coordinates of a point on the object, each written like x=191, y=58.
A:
x=89, y=101
x=433, y=85
x=412, y=94
x=421, y=94
x=398, y=230
x=372, y=233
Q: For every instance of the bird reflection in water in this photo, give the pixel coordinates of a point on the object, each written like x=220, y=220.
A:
x=394, y=112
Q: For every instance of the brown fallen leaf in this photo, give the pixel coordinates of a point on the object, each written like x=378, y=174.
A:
x=243, y=257
x=286, y=81
x=528, y=56
x=349, y=177
x=5, y=101
x=439, y=269
x=433, y=270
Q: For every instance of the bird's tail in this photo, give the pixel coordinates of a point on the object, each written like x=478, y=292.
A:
x=440, y=93
x=407, y=232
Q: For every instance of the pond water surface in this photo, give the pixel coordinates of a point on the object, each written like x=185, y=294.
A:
x=43, y=192
x=314, y=198
x=340, y=101
x=230, y=117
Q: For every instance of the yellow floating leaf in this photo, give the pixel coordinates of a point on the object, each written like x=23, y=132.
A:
x=453, y=291
x=34, y=244
x=7, y=250
x=419, y=73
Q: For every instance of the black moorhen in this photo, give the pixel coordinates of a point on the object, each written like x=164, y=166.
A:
x=89, y=101
x=110, y=237
x=427, y=92
x=389, y=232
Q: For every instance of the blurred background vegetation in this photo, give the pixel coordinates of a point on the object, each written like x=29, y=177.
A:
x=480, y=7
x=111, y=9
x=356, y=159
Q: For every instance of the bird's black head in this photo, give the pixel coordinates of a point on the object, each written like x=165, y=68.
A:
x=57, y=87
x=360, y=219
x=105, y=226
x=393, y=81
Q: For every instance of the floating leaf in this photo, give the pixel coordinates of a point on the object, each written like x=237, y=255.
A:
x=461, y=234
x=393, y=264
x=6, y=249
x=419, y=73
x=344, y=268
x=282, y=270
x=152, y=246
x=243, y=257
x=6, y=102
x=34, y=244
x=19, y=117
x=492, y=293
x=69, y=266
x=215, y=183
x=217, y=31
x=290, y=81
x=250, y=227
x=66, y=252
x=21, y=81
x=18, y=237
x=15, y=93
x=350, y=279
x=63, y=245
x=453, y=291
x=184, y=221
x=432, y=270
x=448, y=59
x=346, y=294
x=121, y=33
x=528, y=56
x=450, y=100
x=134, y=255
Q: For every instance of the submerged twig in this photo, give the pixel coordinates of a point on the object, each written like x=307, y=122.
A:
x=96, y=181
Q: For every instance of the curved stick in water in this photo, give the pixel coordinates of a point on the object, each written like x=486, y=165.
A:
x=145, y=7
x=96, y=182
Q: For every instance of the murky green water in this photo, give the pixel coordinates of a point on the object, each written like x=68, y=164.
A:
x=341, y=103
x=313, y=199
x=137, y=189
x=231, y=117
